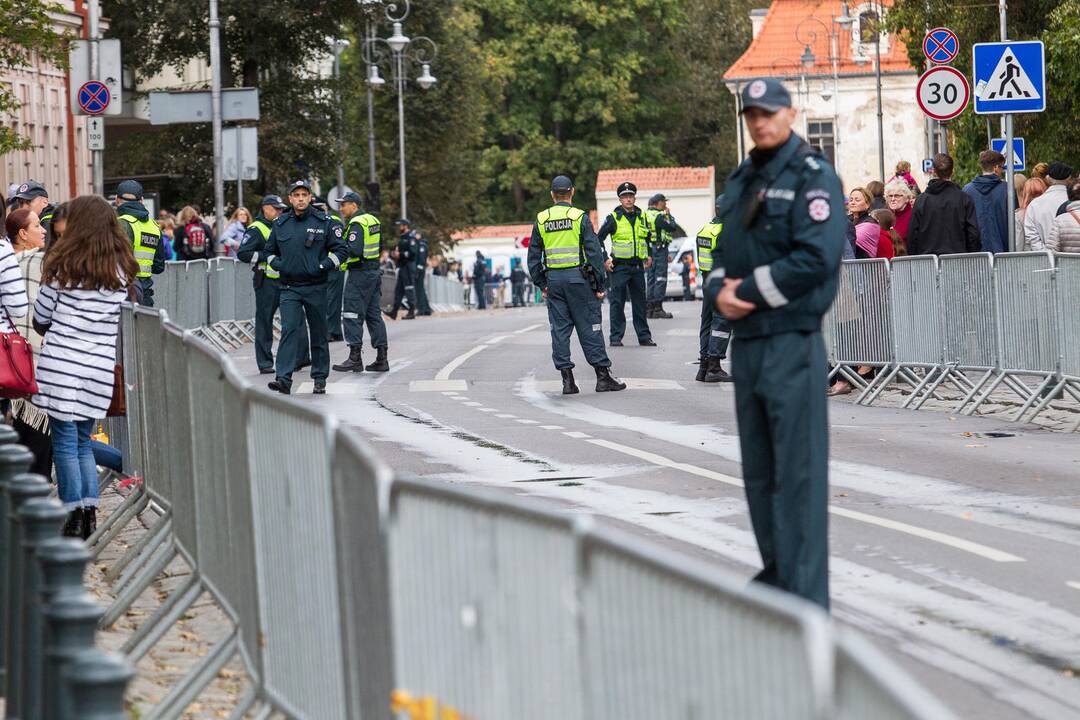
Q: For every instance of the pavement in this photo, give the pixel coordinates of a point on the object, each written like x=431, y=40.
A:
x=953, y=539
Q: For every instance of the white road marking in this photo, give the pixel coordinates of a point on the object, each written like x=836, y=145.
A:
x=577, y=435
x=555, y=386
x=472, y=404
x=439, y=386
x=551, y=427
x=959, y=543
x=506, y=416
x=454, y=364
x=1073, y=584
x=484, y=409
x=524, y=330
x=525, y=421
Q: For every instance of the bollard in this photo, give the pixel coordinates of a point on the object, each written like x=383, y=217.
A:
x=20, y=489
x=98, y=680
x=70, y=615
x=41, y=519
x=13, y=459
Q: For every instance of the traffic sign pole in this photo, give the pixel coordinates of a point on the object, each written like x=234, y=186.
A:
x=97, y=156
x=1007, y=126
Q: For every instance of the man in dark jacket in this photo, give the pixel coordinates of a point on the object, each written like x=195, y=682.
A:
x=479, y=278
x=943, y=220
x=989, y=193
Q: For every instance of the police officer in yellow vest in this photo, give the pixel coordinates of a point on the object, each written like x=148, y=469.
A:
x=265, y=282
x=663, y=229
x=714, y=333
x=363, y=284
x=145, y=237
x=630, y=233
x=566, y=261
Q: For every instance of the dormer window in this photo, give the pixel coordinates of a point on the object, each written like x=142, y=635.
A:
x=867, y=30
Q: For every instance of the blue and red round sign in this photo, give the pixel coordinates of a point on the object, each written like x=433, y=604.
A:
x=941, y=46
x=94, y=97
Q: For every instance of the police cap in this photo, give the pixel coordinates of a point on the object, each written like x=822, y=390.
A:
x=305, y=184
x=627, y=188
x=658, y=197
x=30, y=190
x=562, y=184
x=769, y=94
x=403, y=221
x=274, y=201
x=350, y=197
x=130, y=190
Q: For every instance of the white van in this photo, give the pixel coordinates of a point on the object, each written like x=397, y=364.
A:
x=676, y=249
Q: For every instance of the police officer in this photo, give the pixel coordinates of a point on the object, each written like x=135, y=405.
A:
x=663, y=227
x=33, y=195
x=479, y=278
x=714, y=332
x=629, y=230
x=363, y=282
x=335, y=282
x=144, y=234
x=304, y=246
x=566, y=261
x=265, y=281
x=774, y=277
x=405, y=287
x=422, y=305
x=517, y=282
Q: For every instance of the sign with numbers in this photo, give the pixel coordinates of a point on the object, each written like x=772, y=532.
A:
x=943, y=92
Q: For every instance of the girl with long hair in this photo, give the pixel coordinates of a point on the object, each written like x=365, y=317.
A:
x=85, y=277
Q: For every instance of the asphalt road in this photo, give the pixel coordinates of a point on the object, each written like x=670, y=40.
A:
x=955, y=550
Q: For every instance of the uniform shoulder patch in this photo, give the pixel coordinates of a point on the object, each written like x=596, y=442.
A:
x=819, y=209
x=337, y=231
x=812, y=163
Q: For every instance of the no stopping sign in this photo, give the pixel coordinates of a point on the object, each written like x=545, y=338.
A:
x=943, y=92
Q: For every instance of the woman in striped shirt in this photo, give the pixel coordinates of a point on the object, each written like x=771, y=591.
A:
x=85, y=277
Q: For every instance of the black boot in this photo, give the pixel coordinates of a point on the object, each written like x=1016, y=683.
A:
x=569, y=387
x=661, y=313
x=702, y=368
x=380, y=364
x=74, y=525
x=650, y=310
x=392, y=312
x=354, y=364
x=605, y=382
x=89, y=524
x=411, y=315
x=716, y=372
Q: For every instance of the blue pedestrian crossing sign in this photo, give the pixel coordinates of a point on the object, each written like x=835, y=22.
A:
x=998, y=145
x=1010, y=77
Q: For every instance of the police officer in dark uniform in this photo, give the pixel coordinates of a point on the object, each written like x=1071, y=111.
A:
x=32, y=194
x=422, y=305
x=479, y=279
x=774, y=277
x=630, y=232
x=363, y=283
x=304, y=247
x=265, y=281
x=714, y=332
x=335, y=282
x=517, y=282
x=145, y=237
x=405, y=287
x=663, y=229
x=566, y=261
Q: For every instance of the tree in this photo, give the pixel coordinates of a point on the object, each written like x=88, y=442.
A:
x=25, y=28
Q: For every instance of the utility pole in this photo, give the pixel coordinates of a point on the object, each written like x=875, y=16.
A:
x=215, y=113
x=371, y=116
x=1007, y=130
x=97, y=156
x=880, y=115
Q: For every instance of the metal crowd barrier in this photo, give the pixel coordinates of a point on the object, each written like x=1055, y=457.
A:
x=981, y=322
x=444, y=294
x=352, y=594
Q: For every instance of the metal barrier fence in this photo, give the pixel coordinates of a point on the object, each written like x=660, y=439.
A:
x=444, y=294
x=978, y=321
x=352, y=594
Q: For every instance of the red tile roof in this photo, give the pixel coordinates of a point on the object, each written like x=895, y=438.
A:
x=652, y=179
x=481, y=232
x=791, y=25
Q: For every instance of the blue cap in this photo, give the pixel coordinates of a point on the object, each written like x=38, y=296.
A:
x=130, y=190
x=658, y=197
x=403, y=221
x=30, y=190
x=351, y=197
x=274, y=201
x=305, y=184
x=769, y=94
x=561, y=183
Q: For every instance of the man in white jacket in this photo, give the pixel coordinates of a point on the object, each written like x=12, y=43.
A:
x=1042, y=210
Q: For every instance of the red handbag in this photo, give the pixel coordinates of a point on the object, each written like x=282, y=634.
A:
x=16, y=365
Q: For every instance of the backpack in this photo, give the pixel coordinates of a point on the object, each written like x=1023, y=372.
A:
x=196, y=237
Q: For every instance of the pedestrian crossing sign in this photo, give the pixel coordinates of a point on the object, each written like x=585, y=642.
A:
x=1010, y=77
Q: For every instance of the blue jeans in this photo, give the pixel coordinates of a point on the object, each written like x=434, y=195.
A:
x=107, y=456
x=76, y=471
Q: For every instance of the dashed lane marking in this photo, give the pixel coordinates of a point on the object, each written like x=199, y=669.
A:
x=934, y=536
x=549, y=427
x=485, y=409
x=1073, y=584
x=577, y=435
x=439, y=386
x=472, y=404
x=525, y=421
x=506, y=416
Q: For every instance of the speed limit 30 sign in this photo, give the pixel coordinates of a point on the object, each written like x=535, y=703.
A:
x=943, y=92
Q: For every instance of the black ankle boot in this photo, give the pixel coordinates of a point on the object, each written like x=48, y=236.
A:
x=380, y=364
x=89, y=524
x=605, y=382
x=702, y=368
x=354, y=364
x=569, y=387
x=661, y=313
x=716, y=372
x=74, y=525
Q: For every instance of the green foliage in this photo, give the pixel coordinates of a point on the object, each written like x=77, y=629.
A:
x=25, y=29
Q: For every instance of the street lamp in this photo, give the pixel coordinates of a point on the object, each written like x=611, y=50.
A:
x=400, y=51
x=340, y=45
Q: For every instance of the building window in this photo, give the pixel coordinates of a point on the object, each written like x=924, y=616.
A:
x=822, y=135
x=868, y=29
